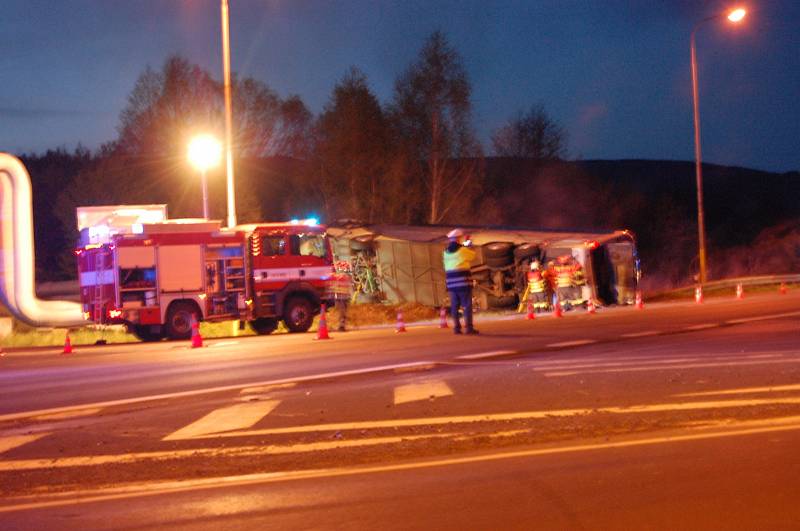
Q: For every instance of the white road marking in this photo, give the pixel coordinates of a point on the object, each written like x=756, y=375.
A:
x=495, y=417
x=642, y=334
x=223, y=344
x=670, y=367
x=704, y=326
x=575, y=343
x=70, y=414
x=209, y=390
x=238, y=451
x=762, y=318
x=266, y=388
x=7, y=443
x=172, y=487
x=421, y=391
x=747, y=390
x=236, y=417
x=587, y=363
x=490, y=354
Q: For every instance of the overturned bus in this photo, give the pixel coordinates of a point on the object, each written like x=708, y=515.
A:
x=401, y=263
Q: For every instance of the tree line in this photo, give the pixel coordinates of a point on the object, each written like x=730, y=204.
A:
x=415, y=159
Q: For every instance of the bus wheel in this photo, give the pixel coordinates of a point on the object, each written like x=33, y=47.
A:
x=298, y=314
x=264, y=325
x=179, y=320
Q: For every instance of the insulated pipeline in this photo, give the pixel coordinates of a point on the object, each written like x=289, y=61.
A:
x=17, y=270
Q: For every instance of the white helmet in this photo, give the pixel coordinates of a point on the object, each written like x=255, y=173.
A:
x=455, y=234
x=534, y=265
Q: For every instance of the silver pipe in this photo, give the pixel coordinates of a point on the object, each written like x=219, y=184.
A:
x=17, y=282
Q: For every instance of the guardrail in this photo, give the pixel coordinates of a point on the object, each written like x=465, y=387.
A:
x=759, y=280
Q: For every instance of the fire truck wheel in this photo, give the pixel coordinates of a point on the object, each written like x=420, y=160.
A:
x=145, y=333
x=264, y=325
x=298, y=314
x=179, y=320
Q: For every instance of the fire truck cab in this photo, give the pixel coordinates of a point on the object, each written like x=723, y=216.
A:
x=158, y=276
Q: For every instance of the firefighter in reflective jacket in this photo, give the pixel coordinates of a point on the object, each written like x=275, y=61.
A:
x=569, y=279
x=457, y=258
x=537, y=287
x=341, y=286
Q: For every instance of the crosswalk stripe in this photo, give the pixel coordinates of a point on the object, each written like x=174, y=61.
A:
x=421, y=391
x=236, y=417
x=13, y=441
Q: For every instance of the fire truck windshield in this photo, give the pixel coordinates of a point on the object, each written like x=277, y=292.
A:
x=308, y=245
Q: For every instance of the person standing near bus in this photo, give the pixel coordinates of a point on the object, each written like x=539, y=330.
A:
x=457, y=258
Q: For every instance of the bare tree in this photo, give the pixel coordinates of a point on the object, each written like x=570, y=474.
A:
x=431, y=112
x=532, y=134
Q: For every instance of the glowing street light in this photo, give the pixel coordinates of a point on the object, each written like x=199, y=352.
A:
x=205, y=152
x=735, y=16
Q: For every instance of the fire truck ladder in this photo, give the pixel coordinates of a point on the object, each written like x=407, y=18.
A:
x=99, y=259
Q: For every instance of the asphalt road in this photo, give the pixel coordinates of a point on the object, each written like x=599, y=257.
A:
x=677, y=416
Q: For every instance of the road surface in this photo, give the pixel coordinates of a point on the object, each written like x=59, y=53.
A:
x=676, y=416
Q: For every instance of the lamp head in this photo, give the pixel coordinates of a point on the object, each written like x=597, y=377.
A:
x=737, y=14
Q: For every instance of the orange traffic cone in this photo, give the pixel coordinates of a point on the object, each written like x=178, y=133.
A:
x=67, y=345
x=401, y=326
x=639, y=301
x=443, y=317
x=739, y=291
x=197, y=339
x=590, y=307
x=783, y=289
x=698, y=294
x=322, y=329
x=531, y=314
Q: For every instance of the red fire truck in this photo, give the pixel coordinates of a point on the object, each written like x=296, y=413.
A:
x=157, y=276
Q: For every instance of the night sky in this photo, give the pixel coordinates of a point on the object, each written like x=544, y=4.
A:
x=614, y=73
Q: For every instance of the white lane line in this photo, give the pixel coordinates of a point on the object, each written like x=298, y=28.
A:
x=172, y=487
x=670, y=367
x=575, y=343
x=210, y=390
x=648, y=362
x=501, y=417
x=7, y=443
x=223, y=344
x=490, y=354
x=421, y=391
x=642, y=334
x=266, y=388
x=746, y=390
x=236, y=451
x=236, y=417
x=704, y=326
x=762, y=318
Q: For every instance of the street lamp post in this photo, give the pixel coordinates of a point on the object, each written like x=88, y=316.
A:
x=204, y=153
x=226, y=73
x=735, y=15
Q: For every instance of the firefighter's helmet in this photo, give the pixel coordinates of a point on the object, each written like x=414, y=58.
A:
x=455, y=234
x=534, y=265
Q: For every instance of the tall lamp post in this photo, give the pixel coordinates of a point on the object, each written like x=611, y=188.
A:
x=204, y=153
x=226, y=73
x=734, y=16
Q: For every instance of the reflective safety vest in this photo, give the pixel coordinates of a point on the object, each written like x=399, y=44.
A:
x=536, y=282
x=564, y=276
